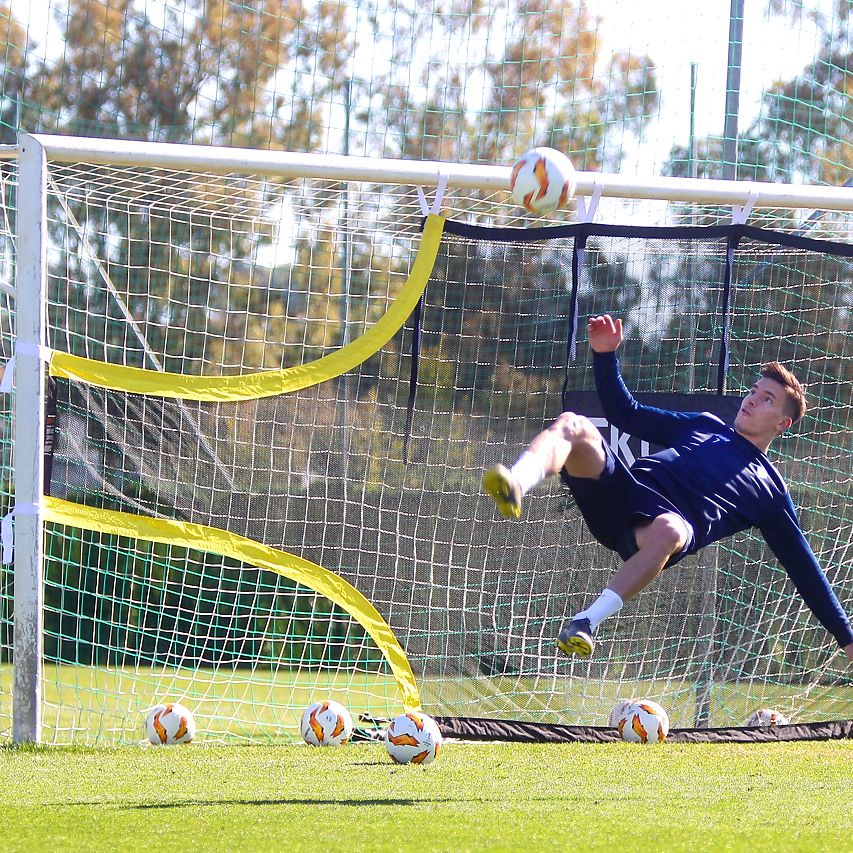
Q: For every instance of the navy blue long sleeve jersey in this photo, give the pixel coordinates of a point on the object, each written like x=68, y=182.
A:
x=721, y=484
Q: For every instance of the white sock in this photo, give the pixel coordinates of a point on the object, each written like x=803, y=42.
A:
x=528, y=471
x=605, y=605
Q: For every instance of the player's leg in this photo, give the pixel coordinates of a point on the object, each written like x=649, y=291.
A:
x=570, y=442
x=657, y=541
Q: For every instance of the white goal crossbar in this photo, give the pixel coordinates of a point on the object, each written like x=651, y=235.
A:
x=338, y=167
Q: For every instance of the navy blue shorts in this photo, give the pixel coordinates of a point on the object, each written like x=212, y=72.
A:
x=614, y=504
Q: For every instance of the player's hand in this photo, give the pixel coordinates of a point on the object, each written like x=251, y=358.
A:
x=848, y=650
x=605, y=333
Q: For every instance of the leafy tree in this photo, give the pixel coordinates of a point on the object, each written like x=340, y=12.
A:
x=206, y=75
x=796, y=308
x=13, y=44
x=544, y=87
x=805, y=122
x=802, y=130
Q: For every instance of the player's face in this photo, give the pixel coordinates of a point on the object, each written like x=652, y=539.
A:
x=762, y=412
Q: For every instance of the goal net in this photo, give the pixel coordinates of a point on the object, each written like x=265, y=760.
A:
x=275, y=398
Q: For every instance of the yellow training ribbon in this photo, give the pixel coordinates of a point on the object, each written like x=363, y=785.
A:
x=268, y=383
x=211, y=539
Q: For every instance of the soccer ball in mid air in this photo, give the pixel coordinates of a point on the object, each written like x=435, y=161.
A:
x=413, y=738
x=766, y=717
x=326, y=723
x=643, y=721
x=542, y=181
x=170, y=724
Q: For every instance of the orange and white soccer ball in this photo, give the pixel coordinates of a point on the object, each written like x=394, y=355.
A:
x=618, y=711
x=413, y=738
x=643, y=721
x=170, y=724
x=542, y=181
x=766, y=717
x=326, y=723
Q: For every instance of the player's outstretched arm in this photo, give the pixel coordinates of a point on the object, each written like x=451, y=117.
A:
x=620, y=407
x=783, y=534
x=605, y=333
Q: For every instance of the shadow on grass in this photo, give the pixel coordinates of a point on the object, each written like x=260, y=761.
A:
x=194, y=804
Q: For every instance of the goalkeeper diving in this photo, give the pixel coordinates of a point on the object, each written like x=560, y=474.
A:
x=711, y=481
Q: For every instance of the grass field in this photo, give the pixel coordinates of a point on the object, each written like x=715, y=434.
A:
x=757, y=797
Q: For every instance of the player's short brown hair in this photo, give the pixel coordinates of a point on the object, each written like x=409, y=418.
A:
x=795, y=396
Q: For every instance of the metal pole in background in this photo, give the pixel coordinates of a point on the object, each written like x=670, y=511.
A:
x=692, y=164
x=345, y=385
x=708, y=626
x=346, y=263
x=704, y=681
x=692, y=172
x=730, y=128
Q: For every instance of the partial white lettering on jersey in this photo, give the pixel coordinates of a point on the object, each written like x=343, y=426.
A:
x=618, y=441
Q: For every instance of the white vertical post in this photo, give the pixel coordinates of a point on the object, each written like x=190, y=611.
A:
x=30, y=386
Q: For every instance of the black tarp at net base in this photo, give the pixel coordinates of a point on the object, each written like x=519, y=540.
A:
x=472, y=728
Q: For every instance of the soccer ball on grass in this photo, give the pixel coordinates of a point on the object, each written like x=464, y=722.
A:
x=326, y=723
x=542, y=181
x=643, y=721
x=766, y=717
x=413, y=738
x=617, y=712
x=170, y=724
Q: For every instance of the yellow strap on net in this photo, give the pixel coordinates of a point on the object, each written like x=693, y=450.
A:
x=268, y=383
x=213, y=540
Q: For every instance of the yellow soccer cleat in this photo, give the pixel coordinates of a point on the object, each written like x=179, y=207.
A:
x=501, y=486
x=576, y=639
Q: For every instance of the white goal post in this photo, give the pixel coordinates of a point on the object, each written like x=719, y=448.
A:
x=35, y=153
